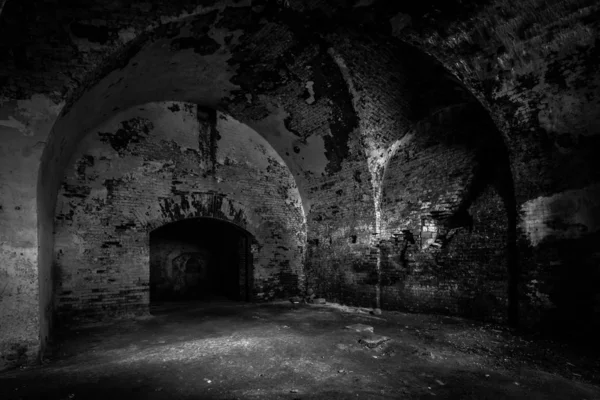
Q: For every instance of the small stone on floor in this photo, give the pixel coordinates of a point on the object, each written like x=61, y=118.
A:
x=360, y=328
x=374, y=341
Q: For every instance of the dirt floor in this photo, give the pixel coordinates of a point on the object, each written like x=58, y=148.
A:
x=225, y=350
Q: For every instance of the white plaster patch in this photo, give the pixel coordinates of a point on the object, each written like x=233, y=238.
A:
x=347, y=76
x=309, y=86
x=203, y=10
x=243, y=144
x=18, y=270
x=378, y=161
x=565, y=215
x=127, y=35
x=314, y=154
x=99, y=194
x=11, y=122
x=273, y=129
x=38, y=108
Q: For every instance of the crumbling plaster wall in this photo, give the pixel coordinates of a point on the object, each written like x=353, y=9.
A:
x=532, y=64
x=301, y=105
x=159, y=163
x=25, y=291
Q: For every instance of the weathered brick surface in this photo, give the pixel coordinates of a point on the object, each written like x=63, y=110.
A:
x=462, y=272
x=161, y=163
x=333, y=88
x=534, y=65
x=444, y=229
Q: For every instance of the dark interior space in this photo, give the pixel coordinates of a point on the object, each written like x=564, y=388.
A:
x=300, y=199
x=199, y=259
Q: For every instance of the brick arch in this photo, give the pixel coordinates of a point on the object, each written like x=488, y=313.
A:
x=174, y=169
x=248, y=249
x=106, y=92
x=203, y=205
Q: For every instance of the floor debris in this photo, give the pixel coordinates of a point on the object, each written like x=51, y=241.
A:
x=360, y=328
x=373, y=341
x=257, y=358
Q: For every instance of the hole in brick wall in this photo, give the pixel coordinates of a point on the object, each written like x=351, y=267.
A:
x=200, y=259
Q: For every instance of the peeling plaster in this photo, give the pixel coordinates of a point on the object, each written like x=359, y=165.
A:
x=566, y=215
x=311, y=92
x=127, y=35
x=310, y=158
x=37, y=109
x=274, y=130
x=11, y=122
x=173, y=178
x=565, y=113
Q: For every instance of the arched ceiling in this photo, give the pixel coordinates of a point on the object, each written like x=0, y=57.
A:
x=312, y=95
x=532, y=64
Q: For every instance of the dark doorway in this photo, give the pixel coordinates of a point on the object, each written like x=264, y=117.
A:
x=200, y=259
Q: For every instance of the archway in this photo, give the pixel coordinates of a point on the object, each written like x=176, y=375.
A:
x=315, y=136
x=155, y=165
x=449, y=218
x=200, y=259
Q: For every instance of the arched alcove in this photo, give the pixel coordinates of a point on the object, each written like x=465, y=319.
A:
x=155, y=165
x=200, y=259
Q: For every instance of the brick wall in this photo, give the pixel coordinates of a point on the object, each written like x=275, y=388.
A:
x=160, y=163
x=444, y=229
x=451, y=268
x=560, y=261
x=340, y=227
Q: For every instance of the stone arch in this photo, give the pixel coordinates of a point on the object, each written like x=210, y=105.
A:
x=204, y=205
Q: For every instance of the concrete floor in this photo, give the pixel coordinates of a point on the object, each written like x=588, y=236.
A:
x=224, y=350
